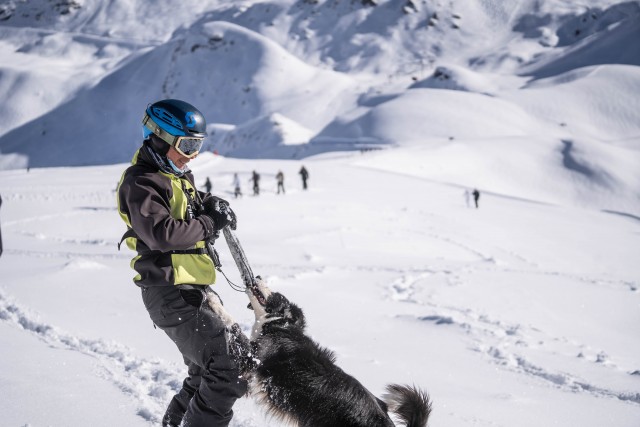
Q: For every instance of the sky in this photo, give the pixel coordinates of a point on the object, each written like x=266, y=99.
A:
x=521, y=312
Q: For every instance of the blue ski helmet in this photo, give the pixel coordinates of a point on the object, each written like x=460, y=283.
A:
x=173, y=118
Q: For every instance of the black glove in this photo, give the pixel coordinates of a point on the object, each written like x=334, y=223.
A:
x=220, y=212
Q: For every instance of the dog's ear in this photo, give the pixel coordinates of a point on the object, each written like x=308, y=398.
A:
x=276, y=304
x=296, y=316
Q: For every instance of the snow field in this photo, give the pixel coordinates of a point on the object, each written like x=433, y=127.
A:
x=508, y=307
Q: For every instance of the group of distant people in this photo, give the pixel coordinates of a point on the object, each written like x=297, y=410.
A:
x=255, y=180
x=304, y=175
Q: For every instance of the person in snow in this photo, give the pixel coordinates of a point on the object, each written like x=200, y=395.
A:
x=171, y=225
x=305, y=175
x=237, y=191
x=467, y=197
x=255, y=177
x=207, y=185
x=476, y=196
x=280, y=179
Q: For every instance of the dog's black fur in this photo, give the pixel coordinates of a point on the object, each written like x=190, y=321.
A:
x=298, y=381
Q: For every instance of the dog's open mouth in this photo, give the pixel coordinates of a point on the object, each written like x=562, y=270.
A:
x=255, y=290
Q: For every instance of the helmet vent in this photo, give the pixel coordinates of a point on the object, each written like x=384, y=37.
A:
x=166, y=117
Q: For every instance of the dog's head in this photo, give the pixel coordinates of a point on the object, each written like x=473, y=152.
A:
x=282, y=312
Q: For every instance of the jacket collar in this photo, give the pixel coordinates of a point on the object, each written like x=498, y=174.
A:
x=147, y=156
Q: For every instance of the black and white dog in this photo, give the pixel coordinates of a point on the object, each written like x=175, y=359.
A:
x=298, y=381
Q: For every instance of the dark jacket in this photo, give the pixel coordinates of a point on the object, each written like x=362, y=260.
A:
x=169, y=240
x=304, y=173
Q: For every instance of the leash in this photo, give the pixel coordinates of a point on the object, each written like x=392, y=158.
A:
x=232, y=285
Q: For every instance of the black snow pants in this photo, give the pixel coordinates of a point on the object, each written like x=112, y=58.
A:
x=213, y=384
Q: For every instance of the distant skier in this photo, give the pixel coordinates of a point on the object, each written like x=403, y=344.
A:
x=280, y=179
x=305, y=175
x=255, y=177
x=237, y=191
x=476, y=196
x=207, y=185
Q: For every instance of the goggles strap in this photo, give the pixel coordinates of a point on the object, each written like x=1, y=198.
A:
x=158, y=131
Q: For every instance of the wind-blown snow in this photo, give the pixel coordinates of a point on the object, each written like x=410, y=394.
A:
x=523, y=312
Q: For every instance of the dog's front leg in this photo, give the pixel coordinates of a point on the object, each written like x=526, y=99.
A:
x=242, y=351
x=240, y=347
x=216, y=305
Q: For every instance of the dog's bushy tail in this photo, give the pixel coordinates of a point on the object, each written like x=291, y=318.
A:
x=410, y=404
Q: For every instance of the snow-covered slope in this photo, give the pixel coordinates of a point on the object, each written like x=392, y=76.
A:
x=245, y=82
x=525, y=308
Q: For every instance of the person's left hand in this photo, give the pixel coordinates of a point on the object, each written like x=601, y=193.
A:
x=220, y=212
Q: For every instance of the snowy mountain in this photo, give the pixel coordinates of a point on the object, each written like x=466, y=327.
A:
x=523, y=312
x=353, y=75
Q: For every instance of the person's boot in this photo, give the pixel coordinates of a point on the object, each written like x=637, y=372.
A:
x=174, y=414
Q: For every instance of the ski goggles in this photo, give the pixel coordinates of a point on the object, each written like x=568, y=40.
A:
x=188, y=146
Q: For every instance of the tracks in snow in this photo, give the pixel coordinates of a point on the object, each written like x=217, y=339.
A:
x=150, y=383
x=512, y=346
